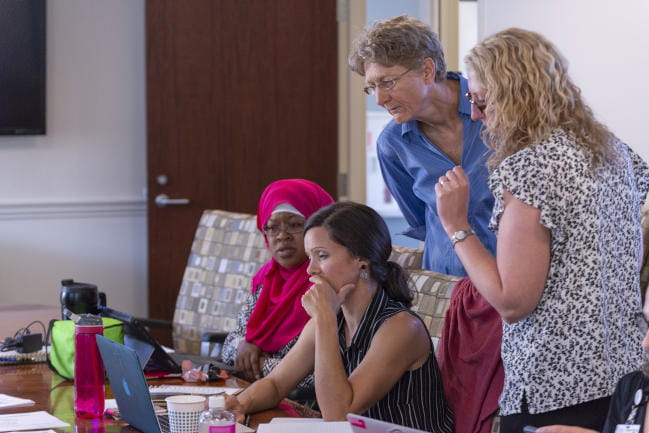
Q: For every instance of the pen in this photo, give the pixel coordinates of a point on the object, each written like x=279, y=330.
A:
x=246, y=421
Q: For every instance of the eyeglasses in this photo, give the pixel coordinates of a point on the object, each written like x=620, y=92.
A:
x=290, y=228
x=481, y=106
x=385, y=85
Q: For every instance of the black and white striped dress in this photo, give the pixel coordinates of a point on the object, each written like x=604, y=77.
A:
x=417, y=399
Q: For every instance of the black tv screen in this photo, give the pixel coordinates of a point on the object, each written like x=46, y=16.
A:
x=22, y=67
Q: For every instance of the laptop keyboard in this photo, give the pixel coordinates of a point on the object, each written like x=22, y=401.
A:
x=163, y=420
x=185, y=389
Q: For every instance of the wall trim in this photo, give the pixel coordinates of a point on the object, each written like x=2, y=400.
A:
x=63, y=209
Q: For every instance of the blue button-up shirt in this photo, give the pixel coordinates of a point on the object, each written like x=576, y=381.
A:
x=411, y=166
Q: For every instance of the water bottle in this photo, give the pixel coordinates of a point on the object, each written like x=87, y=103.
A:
x=89, y=391
x=216, y=419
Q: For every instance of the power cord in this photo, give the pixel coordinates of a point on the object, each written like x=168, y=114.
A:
x=24, y=341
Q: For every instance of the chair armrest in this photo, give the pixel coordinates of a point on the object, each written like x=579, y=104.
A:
x=211, y=343
x=155, y=323
x=214, y=337
x=127, y=318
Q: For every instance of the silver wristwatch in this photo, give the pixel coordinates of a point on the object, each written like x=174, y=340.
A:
x=460, y=235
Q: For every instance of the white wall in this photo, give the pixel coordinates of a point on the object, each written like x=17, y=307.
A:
x=607, y=45
x=72, y=202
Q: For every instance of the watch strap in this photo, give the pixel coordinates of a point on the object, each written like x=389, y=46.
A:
x=460, y=235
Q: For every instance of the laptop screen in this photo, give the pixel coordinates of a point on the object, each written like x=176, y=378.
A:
x=155, y=360
x=129, y=385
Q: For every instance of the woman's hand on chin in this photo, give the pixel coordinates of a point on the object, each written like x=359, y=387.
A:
x=321, y=298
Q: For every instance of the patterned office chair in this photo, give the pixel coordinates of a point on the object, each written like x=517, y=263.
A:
x=432, y=290
x=432, y=297
x=408, y=258
x=226, y=253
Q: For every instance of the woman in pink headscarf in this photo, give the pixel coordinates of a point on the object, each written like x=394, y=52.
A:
x=272, y=317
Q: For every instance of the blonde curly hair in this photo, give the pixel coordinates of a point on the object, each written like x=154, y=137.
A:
x=529, y=94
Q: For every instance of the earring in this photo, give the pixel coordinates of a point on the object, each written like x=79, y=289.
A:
x=364, y=274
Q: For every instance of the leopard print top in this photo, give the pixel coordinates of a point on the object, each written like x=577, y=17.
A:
x=584, y=335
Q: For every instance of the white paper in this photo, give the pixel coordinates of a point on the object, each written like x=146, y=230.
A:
x=110, y=404
x=301, y=427
x=9, y=401
x=29, y=421
x=37, y=431
x=239, y=428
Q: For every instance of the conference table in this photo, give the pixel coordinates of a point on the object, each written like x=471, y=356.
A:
x=56, y=396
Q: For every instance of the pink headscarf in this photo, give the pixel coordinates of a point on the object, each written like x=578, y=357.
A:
x=278, y=316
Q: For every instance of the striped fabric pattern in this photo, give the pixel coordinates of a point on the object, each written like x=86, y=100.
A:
x=417, y=399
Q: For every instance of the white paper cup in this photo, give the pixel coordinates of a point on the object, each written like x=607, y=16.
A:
x=184, y=411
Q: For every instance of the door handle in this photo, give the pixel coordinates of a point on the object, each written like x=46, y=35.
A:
x=162, y=200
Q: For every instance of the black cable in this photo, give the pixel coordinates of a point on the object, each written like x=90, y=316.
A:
x=12, y=343
x=25, y=330
x=8, y=344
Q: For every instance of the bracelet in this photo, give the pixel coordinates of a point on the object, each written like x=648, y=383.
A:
x=460, y=235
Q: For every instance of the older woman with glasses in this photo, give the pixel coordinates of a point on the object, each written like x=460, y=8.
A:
x=431, y=131
x=568, y=193
x=272, y=316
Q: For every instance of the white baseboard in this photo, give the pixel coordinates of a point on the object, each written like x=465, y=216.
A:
x=91, y=208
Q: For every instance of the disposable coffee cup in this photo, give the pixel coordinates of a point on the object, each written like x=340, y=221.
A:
x=184, y=411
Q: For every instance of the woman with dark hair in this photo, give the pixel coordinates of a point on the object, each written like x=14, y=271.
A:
x=368, y=352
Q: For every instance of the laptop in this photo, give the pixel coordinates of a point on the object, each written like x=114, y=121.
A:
x=129, y=387
x=362, y=424
x=131, y=391
x=154, y=359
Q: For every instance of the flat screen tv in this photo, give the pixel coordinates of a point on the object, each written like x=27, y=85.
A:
x=22, y=67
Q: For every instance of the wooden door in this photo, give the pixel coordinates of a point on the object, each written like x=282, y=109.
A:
x=239, y=93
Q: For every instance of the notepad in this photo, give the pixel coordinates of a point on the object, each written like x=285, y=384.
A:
x=38, y=431
x=29, y=421
x=10, y=401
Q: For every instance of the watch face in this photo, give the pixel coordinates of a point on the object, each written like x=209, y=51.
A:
x=460, y=235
